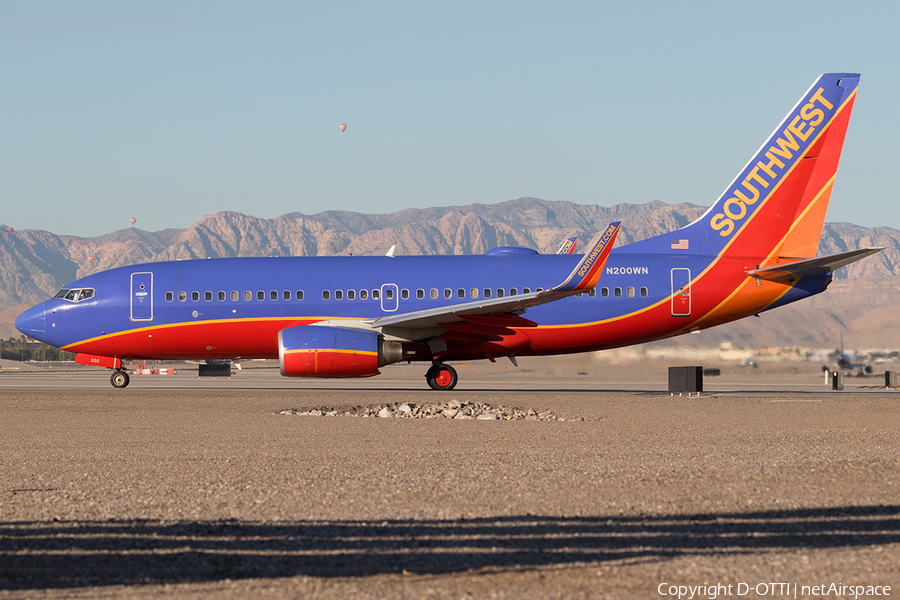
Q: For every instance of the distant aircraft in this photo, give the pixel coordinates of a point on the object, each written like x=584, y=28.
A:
x=752, y=251
x=847, y=362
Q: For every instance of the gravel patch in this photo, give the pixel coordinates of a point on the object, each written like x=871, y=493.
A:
x=454, y=409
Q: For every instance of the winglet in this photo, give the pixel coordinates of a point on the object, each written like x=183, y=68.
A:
x=391, y=251
x=568, y=246
x=588, y=271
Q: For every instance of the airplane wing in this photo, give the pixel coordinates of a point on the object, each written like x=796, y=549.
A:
x=811, y=267
x=582, y=278
x=568, y=246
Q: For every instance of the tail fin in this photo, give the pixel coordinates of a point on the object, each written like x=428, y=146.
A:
x=775, y=207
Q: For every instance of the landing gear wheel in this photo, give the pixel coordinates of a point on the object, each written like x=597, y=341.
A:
x=119, y=379
x=441, y=377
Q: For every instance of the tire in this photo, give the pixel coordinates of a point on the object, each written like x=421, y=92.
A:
x=442, y=377
x=119, y=379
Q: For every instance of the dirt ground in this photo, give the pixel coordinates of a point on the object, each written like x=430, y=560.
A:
x=199, y=489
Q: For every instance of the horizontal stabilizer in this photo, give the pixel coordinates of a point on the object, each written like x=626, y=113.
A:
x=811, y=267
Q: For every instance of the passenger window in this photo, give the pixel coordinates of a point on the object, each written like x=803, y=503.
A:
x=448, y=293
x=618, y=292
x=435, y=294
x=260, y=295
x=579, y=294
x=299, y=295
x=376, y=294
x=593, y=292
x=420, y=294
x=195, y=296
x=286, y=294
x=644, y=292
x=604, y=292
x=169, y=296
x=460, y=293
x=473, y=292
x=389, y=294
x=182, y=296
x=234, y=295
x=363, y=294
x=207, y=295
x=273, y=295
x=248, y=295
x=500, y=292
x=539, y=289
x=222, y=296
x=404, y=294
x=326, y=295
x=351, y=294
x=630, y=292
x=526, y=290
x=513, y=292
x=338, y=294
x=487, y=292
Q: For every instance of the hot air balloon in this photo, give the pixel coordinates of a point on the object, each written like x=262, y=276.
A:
x=90, y=258
x=343, y=127
x=11, y=230
x=133, y=220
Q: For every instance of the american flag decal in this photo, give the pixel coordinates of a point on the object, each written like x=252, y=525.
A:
x=679, y=244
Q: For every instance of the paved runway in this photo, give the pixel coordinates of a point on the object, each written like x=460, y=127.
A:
x=185, y=487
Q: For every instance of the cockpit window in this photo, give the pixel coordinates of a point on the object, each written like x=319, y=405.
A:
x=75, y=295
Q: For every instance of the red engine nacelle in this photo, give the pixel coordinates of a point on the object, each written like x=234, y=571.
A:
x=313, y=351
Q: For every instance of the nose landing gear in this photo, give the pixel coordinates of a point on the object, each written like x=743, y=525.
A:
x=441, y=377
x=119, y=379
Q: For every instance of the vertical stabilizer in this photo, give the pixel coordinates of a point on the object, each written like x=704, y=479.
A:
x=776, y=205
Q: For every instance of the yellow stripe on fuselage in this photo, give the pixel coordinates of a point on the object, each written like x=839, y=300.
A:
x=194, y=323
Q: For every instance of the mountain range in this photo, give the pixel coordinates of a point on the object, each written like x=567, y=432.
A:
x=34, y=264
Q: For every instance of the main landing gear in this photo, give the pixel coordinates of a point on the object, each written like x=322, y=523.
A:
x=441, y=377
x=119, y=379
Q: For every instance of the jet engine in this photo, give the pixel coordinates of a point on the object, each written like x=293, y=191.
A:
x=313, y=351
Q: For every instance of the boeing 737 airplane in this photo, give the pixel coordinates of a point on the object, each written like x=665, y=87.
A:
x=752, y=251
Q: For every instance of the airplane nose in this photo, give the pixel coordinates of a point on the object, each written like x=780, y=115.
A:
x=31, y=321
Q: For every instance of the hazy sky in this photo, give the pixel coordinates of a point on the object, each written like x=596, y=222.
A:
x=171, y=110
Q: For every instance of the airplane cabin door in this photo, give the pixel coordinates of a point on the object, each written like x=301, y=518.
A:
x=389, y=297
x=681, y=292
x=142, y=296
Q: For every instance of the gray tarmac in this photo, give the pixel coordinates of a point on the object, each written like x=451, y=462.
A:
x=197, y=488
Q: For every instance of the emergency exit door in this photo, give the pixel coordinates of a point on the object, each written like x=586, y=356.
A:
x=681, y=292
x=142, y=296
